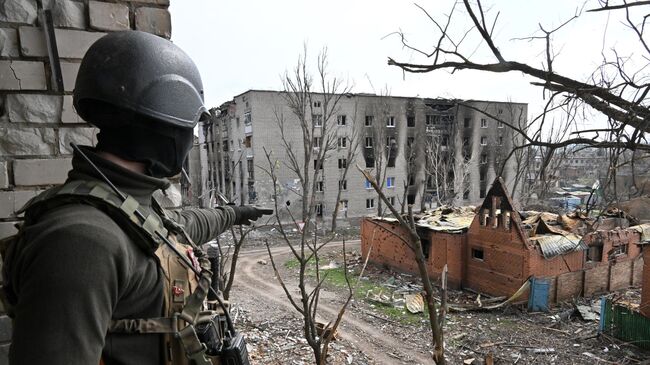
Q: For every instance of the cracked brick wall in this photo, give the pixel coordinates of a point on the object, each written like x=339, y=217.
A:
x=36, y=123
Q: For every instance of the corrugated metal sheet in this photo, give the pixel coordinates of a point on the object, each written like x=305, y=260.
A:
x=442, y=219
x=554, y=245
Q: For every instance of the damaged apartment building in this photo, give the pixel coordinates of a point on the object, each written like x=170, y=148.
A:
x=429, y=151
x=495, y=249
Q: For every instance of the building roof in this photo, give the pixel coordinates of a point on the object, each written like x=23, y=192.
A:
x=442, y=219
x=553, y=245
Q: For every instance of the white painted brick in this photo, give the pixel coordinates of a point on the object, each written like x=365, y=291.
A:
x=33, y=108
x=27, y=141
x=4, y=179
x=22, y=75
x=7, y=229
x=80, y=136
x=21, y=197
x=68, y=114
x=152, y=20
x=108, y=16
x=69, y=14
x=9, y=42
x=41, y=171
x=18, y=11
x=69, y=72
x=6, y=204
x=70, y=43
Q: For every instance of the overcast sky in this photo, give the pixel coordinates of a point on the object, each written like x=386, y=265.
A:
x=247, y=44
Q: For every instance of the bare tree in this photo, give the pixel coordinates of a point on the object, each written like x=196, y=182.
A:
x=380, y=140
x=617, y=89
x=412, y=241
x=314, y=114
x=348, y=140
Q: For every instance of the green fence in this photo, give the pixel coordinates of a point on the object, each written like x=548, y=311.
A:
x=625, y=324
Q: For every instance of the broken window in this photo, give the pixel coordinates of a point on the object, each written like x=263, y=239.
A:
x=318, y=165
x=595, y=253
x=317, y=141
x=482, y=193
x=483, y=141
x=317, y=104
x=319, y=186
x=343, y=185
x=390, y=121
x=368, y=142
x=250, y=168
x=484, y=123
x=369, y=119
x=410, y=121
x=343, y=163
x=410, y=199
x=466, y=194
x=466, y=122
x=341, y=119
x=367, y=184
x=343, y=142
x=500, y=140
x=318, y=120
x=483, y=217
x=248, y=141
x=484, y=158
x=319, y=209
x=390, y=141
x=426, y=247
x=477, y=254
x=391, y=200
x=429, y=119
x=247, y=118
x=617, y=251
x=370, y=203
x=410, y=141
x=500, y=125
x=507, y=217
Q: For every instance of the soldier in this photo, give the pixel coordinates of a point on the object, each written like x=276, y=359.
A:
x=85, y=279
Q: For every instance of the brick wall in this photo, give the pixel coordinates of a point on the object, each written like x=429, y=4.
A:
x=36, y=123
x=390, y=251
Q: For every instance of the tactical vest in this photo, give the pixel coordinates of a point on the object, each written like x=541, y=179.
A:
x=185, y=305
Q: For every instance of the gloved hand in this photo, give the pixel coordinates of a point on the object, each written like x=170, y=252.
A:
x=244, y=214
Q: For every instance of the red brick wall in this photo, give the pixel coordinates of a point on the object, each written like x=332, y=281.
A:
x=645, y=294
x=392, y=252
x=504, y=267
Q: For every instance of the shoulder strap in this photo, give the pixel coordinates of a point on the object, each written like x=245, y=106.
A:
x=99, y=195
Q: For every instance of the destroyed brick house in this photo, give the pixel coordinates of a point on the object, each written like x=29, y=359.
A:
x=494, y=249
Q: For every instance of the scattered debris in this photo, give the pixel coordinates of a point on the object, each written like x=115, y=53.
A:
x=587, y=313
x=414, y=303
x=262, y=262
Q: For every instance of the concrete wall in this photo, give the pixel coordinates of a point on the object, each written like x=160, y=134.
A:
x=36, y=123
x=645, y=294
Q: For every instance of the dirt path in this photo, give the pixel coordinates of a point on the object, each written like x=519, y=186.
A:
x=256, y=285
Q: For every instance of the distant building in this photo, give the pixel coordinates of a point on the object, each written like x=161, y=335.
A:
x=467, y=146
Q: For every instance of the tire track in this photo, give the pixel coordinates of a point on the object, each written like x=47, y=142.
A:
x=353, y=328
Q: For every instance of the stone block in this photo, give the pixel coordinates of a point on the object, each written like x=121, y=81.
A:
x=22, y=75
x=152, y=20
x=5, y=329
x=18, y=11
x=80, y=136
x=69, y=14
x=68, y=114
x=4, y=178
x=9, y=42
x=69, y=71
x=21, y=197
x=70, y=43
x=108, y=16
x=41, y=171
x=33, y=108
x=7, y=229
x=27, y=141
x=6, y=203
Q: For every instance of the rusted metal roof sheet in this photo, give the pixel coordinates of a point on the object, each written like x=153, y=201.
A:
x=554, y=245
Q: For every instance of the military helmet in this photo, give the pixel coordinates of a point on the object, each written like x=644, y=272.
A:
x=138, y=73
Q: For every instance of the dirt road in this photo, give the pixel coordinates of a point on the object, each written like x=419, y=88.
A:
x=258, y=291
